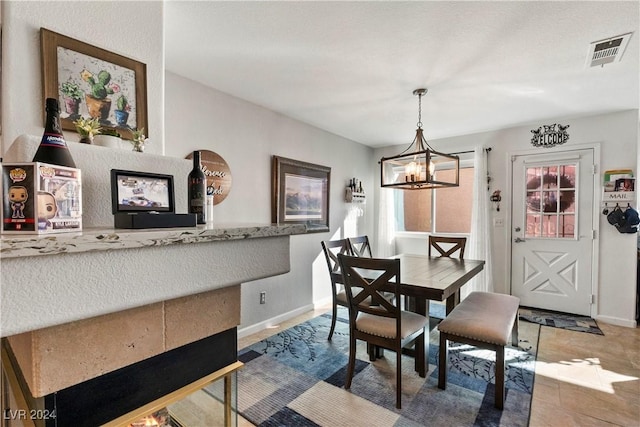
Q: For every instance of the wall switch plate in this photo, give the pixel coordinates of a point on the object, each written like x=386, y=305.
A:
x=498, y=222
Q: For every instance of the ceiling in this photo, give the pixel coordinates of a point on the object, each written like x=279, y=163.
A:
x=350, y=67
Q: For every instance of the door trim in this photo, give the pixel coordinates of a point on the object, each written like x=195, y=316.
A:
x=595, y=222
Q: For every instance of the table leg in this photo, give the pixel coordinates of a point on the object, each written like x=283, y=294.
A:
x=422, y=366
x=452, y=301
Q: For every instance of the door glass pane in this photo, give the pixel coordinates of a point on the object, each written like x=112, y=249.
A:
x=549, y=225
x=533, y=225
x=567, y=201
x=533, y=201
x=567, y=176
x=566, y=226
x=550, y=198
x=550, y=177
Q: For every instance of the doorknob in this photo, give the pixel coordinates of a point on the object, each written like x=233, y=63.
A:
x=519, y=240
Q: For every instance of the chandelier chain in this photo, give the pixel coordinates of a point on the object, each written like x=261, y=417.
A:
x=420, y=110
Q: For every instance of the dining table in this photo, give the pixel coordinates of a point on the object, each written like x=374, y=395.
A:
x=425, y=278
x=428, y=278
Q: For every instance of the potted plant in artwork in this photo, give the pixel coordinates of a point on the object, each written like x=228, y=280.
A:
x=108, y=137
x=97, y=102
x=87, y=128
x=72, y=95
x=139, y=140
x=122, y=111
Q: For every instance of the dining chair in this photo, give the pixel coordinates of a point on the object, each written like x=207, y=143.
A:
x=457, y=242
x=360, y=246
x=331, y=249
x=382, y=325
x=451, y=246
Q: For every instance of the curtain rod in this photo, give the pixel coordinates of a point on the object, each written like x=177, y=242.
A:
x=469, y=151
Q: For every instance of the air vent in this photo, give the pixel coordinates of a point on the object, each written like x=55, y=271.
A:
x=607, y=51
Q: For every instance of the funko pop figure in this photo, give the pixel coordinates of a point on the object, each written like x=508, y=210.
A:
x=17, y=196
x=47, y=209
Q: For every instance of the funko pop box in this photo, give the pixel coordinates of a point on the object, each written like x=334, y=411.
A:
x=40, y=198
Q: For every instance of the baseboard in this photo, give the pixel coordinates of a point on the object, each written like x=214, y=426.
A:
x=252, y=329
x=617, y=321
x=323, y=303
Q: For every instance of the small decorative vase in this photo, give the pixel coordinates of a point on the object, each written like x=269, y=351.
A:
x=86, y=139
x=108, y=141
x=98, y=108
x=121, y=117
x=138, y=146
x=72, y=106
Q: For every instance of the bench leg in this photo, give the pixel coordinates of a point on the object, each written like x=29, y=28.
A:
x=514, y=333
x=499, y=377
x=443, y=358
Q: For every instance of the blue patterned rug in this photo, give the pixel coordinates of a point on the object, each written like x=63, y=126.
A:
x=296, y=378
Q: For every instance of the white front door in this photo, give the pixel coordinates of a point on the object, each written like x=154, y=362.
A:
x=552, y=230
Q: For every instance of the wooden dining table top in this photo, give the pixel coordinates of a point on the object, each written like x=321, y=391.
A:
x=435, y=278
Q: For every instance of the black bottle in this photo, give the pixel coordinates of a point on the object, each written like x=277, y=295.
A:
x=53, y=148
x=197, y=190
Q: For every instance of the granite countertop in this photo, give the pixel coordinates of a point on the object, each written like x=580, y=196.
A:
x=102, y=239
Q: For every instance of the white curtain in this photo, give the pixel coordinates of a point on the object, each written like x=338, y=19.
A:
x=386, y=237
x=480, y=238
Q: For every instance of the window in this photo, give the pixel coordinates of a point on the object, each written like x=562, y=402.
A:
x=551, y=193
x=443, y=210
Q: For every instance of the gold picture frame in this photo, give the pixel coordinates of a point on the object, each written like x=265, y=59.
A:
x=91, y=82
x=300, y=194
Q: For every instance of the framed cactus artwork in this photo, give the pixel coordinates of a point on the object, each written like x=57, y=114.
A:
x=93, y=83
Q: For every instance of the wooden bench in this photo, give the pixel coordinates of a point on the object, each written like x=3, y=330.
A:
x=484, y=320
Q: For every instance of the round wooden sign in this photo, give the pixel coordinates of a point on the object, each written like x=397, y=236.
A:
x=218, y=174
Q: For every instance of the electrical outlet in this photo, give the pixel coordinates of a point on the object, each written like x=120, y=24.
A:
x=263, y=297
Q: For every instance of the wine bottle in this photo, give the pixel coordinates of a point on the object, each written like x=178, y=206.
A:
x=53, y=148
x=197, y=190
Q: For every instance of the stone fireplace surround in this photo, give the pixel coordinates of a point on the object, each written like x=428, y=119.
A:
x=80, y=306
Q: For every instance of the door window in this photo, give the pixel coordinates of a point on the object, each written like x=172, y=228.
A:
x=551, y=199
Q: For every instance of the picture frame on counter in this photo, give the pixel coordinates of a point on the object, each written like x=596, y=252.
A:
x=300, y=193
x=133, y=191
x=92, y=82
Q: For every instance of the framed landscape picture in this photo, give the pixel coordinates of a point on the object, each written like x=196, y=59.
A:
x=300, y=193
x=91, y=82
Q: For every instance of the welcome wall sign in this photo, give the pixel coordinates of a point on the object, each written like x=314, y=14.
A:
x=218, y=174
x=550, y=136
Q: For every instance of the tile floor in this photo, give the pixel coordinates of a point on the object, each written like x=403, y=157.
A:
x=581, y=379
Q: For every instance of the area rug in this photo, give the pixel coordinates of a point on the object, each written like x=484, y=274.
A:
x=296, y=378
x=555, y=319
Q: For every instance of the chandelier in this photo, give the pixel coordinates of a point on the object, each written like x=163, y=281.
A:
x=422, y=167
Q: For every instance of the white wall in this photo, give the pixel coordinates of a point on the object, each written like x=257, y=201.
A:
x=133, y=29
x=246, y=136
x=617, y=134
x=195, y=117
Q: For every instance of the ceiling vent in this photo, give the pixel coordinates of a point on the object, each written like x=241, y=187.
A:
x=606, y=51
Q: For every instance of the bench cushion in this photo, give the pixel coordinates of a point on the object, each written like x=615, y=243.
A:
x=483, y=316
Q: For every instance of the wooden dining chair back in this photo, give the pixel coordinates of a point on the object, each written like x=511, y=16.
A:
x=360, y=246
x=381, y=323
x=452, y=245
x=331, y=249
